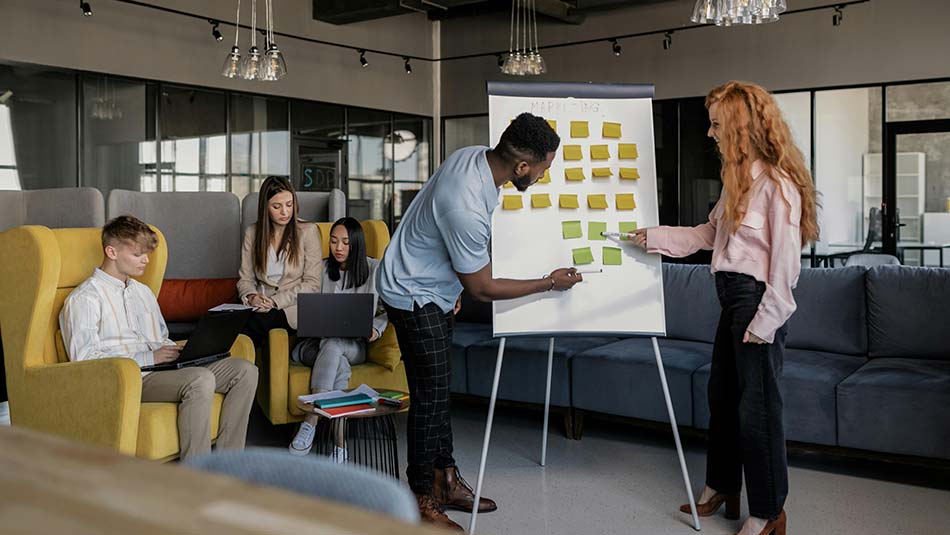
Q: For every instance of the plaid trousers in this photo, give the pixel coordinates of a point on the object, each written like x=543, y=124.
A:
x=425, y=339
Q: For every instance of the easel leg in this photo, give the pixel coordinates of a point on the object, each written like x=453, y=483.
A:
x=676, y=434
x=547, y=404
x=491, y=416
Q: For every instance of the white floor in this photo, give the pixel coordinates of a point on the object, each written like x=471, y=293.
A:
x=622, y=480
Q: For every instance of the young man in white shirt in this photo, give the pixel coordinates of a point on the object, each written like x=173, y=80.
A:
x=113, y=315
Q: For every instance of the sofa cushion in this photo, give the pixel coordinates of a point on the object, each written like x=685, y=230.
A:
x=622, y=378
x=832, y=311
x=524, y=369
x=897, y=406
x=185, y=300
x=809, y=380
x=464, y=335
x=385, y=350
x=692, y=307
x=905, y=312
x=202, y=228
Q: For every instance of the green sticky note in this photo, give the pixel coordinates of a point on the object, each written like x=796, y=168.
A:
x=612, y=256
x=594, y=228
x=628, y=226
x=583, y=256
x=571, y=229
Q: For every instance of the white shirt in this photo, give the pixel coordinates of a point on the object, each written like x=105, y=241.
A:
x=275, y=266
x=105, y=317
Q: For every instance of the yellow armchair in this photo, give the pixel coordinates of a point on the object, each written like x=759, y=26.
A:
x=281, y=380
x=96, y=401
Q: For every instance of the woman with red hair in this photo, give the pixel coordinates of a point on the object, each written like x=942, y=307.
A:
x=767, y=210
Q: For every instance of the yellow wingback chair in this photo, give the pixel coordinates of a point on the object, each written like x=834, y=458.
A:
x=282, y=380
x=94, y=401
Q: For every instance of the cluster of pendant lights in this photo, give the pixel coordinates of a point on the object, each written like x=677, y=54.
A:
x=524, y=57
x=268, y=65
x=729, y=12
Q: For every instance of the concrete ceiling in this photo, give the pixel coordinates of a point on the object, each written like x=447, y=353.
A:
x=567, y=11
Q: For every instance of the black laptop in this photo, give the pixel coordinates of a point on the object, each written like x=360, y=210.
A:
x=211, y=341
x=335, y=315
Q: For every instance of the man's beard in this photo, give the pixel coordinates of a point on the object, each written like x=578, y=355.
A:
x=521, y=184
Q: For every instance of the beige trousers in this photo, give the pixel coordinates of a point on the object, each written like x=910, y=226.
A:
x=193, y=389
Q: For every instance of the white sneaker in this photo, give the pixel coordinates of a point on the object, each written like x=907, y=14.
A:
x=303, y=441
x=339, y=455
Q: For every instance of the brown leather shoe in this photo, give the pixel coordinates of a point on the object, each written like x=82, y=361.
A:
x=774, y=527
x=710, y=507
x=451, y=490
x=432, y=512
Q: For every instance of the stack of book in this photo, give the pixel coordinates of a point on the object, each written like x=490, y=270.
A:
x=392, y=399
x=343, y=405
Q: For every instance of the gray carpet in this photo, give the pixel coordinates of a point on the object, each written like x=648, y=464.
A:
x=622, y=479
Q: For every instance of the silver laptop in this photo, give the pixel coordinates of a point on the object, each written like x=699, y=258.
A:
x=335, y=315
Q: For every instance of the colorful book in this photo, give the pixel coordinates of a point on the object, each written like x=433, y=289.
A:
x=394, y=395
x=343, y=401
x=349, y=410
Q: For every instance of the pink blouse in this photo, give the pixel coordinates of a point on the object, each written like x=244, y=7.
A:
x=767, y=245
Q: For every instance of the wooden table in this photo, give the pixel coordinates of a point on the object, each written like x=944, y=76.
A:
x=50, y=485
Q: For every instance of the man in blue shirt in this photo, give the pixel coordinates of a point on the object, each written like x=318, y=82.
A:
x=441, y=247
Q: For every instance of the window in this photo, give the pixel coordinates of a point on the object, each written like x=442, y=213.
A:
x=260, y=142
x=193, y=125
x=370, y=152
x=913, y=102
x=119, y=146
x=37, y=128
x=847, y=162
x=410, y=153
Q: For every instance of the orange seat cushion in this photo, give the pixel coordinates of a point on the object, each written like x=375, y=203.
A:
x=189, y=299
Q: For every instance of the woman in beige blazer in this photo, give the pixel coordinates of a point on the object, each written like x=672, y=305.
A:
x=281, y=257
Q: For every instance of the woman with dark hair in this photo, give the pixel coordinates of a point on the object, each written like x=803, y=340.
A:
x=347, y=270
x=279, y=259
x=767, y=210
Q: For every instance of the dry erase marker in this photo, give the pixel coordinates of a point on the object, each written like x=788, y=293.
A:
x=621, y=235
x=589, y=271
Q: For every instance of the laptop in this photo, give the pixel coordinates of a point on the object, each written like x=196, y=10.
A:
x=211, y=341
x=335, y=315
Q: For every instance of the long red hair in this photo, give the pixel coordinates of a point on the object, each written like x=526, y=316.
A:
x=751, y=124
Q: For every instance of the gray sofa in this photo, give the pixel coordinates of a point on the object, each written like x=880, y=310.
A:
x=53, y=208
x=867, y=363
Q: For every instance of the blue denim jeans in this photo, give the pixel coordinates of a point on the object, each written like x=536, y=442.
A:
x=745, y=405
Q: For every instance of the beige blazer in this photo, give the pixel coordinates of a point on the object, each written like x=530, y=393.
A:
x=305, y=276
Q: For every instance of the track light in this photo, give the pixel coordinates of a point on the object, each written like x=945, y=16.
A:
x=615, y=46
x=838, y=16
x=668, y=41
x=363, y=61
x=215, y=32
x=500, y=59
x=86, y=9
x=408, y=67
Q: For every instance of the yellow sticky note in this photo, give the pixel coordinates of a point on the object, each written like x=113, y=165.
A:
x=597, y=202
x=571, y=229
x=611, y=130
x=568, y=201
x=553, y=124
x=540, y=200
x=512, y=202
x=574, y=173
x=601, y=172
x=582, y=256
x=546, y=178
x=573, y=152
x=579, y=129
x=627, y=227
x=625, y=201
x=508, y=185
x=612, y=256
x=629, y=173
x=599, y=152
x=628, y=151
